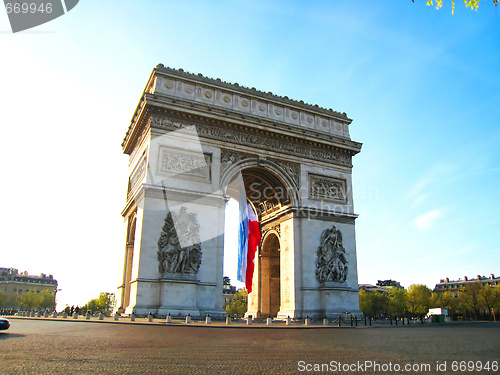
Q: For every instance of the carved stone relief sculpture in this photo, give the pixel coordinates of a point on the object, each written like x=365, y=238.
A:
x=179, y=248
x=184, y=164
x=331, y=263
x=328, y=188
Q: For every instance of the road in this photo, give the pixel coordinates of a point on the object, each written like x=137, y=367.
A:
x=63, y=347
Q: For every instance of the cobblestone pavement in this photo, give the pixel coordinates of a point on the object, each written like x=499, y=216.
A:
x=44, y=346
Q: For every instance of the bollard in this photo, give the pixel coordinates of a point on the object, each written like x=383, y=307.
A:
x=249, y=320
x=288, y=320
x=396, y=321
x=65, y=315
x=150, y=317
x=87, y=316
x=208, y=320
x=168, y=319
x=365, y=320
x=115, y=317
x=391, y=321
x=46, y=314
x=351, y=321
x=38, y=314
x=370, y=320
x=188, y=318
x=269, y=321
x=355, y=321
x=101, y=316
x=307, y=321
x=54, y=314
x=32, y=314
x=228, y=320
x=339, y=320
x=325, y=321
x=75, y=316
x=132, y=317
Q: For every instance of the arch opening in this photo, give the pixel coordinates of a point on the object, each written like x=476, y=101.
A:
x=269, y=196
x=270, y=278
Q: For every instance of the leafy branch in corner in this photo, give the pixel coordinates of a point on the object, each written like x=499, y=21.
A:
x=473, y=4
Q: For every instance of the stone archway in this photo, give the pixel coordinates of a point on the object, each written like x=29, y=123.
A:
x=269, y=279
x=272, y=193
x=190, y=136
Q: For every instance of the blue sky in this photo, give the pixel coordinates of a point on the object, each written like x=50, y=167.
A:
x=421, y=85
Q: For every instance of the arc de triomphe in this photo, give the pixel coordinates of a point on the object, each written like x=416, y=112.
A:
x=194, y=142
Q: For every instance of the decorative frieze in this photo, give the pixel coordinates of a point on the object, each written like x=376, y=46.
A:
x=265, y=142
x=327, y=188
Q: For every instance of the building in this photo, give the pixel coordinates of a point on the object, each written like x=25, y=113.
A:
x=14, y=283
x=382, y=286
x=194, y=143
x=389, y=283
x=453, y=286
x=228, y=292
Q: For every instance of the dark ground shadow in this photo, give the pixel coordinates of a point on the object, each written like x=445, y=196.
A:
x=4, y=335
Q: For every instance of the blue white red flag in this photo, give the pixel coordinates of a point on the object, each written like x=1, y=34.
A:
x=242, y=239
x=248, y=242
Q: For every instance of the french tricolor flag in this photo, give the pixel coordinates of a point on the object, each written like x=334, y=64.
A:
x=248, y=242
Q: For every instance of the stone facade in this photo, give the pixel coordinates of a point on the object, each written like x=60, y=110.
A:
x=454, y=286
x=14, y=284
x=193, y=142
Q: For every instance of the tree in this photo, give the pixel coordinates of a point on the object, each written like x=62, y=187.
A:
x=447, y=301
x=91, y=305
x=239, y=304
x=397, y=302
x=473, y=4
x=489, y=297
x=102, y=304
x=373, y=303
x=419, y=300
x=47, y=300
x=29, y=300
x=365, y=303
x=469, y=298
x=105, y=301
x=4, y=298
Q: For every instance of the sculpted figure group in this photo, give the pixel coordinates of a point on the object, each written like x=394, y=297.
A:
x=332, y=263
x=179, y=248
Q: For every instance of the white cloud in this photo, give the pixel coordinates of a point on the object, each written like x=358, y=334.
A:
x=427, y=220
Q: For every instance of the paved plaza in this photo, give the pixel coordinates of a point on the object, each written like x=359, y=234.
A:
x=44, y=346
